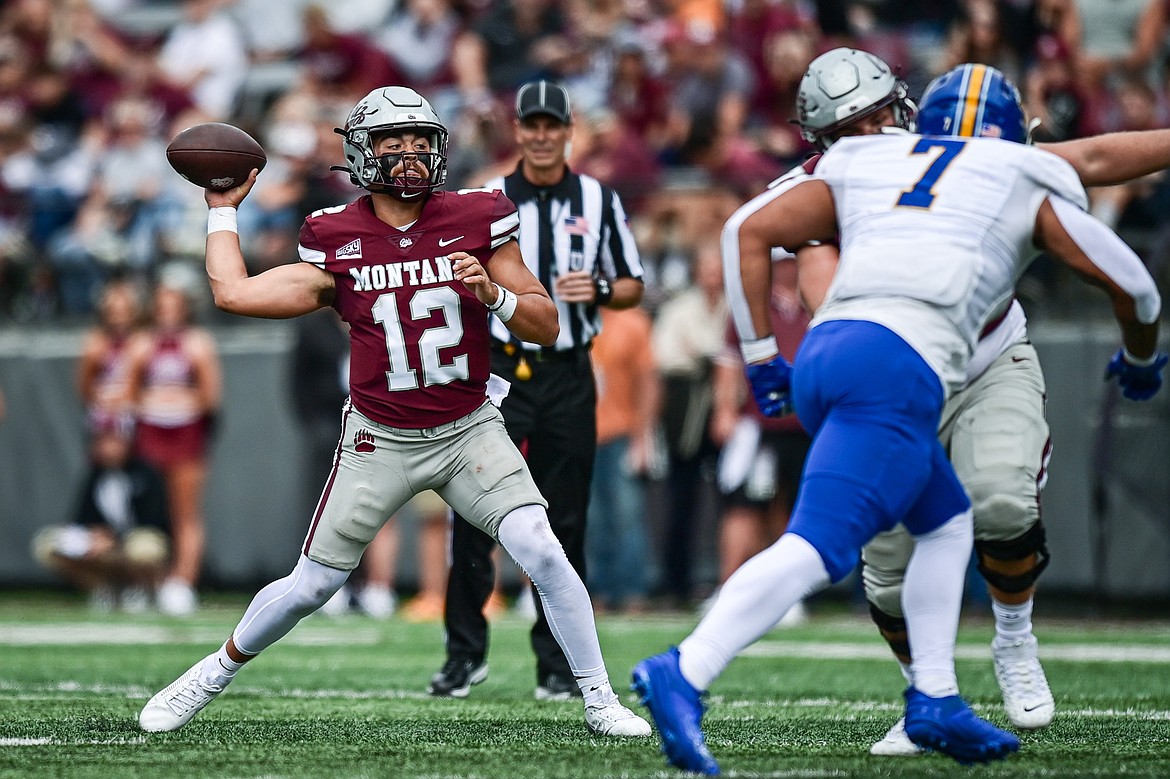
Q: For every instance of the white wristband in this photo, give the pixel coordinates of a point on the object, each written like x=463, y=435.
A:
x=1140, y=362
x=759, y=350
x=221, y=218
x=505, y=305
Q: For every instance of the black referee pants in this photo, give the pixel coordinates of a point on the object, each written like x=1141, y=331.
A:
x=552, y=417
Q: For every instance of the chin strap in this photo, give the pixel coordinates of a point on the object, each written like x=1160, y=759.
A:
x=1032, y=125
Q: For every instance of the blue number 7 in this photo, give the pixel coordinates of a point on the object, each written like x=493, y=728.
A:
x=921, y=195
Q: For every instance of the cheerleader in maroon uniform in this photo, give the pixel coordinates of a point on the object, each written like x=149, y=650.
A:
x=102, y=371
x=176, y=385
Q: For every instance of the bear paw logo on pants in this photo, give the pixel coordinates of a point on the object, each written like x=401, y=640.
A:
x=363, y=441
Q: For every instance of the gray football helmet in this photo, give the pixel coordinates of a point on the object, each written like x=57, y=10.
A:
x=392, y=109
x=843, y=85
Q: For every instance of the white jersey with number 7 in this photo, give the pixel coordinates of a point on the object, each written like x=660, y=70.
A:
x=968, y=207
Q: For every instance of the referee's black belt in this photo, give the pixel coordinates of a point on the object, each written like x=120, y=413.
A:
x=544, y=353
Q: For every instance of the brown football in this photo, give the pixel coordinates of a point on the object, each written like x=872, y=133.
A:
x=215, y=155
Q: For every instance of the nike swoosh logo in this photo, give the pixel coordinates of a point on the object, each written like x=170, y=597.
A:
x=448, y=241
x=1033, y=708
x=1014, y=359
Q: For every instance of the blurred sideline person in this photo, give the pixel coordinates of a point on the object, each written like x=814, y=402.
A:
x=319, y=385
x=418, y=415
x=993, y=427
x=688, y=334
x=176, y=386
x=888, y=342
x=117, y=544
x=103, y=383
x=761, y=457
x=103, y=369
x=433, y=516
x=629, y=394
x=575, y=241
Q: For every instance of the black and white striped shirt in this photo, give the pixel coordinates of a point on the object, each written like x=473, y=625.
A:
x=576, y=224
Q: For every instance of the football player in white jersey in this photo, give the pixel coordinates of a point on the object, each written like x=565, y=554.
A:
x=934, y=233
x=996, y=419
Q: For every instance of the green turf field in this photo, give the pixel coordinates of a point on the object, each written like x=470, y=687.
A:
x=345, y=698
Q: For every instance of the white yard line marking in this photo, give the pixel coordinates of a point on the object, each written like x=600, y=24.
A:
x=20, y=691
x=104, y=633
x=38, y=742
x=1073, y=653
x=94, y=633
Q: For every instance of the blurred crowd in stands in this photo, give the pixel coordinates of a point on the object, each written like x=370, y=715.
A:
x=683, y=106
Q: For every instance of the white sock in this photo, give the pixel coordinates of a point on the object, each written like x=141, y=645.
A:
x=750, y=603
x=525, y=535
x=932, y=596
x=228, y=665
x=1012, y=622
x=218, y=669
x=596, y=690
x=906, y=672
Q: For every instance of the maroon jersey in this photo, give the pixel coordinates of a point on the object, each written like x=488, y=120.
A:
x=418, y=337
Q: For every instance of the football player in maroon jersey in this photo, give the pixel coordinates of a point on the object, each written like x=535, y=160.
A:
x=414, y=271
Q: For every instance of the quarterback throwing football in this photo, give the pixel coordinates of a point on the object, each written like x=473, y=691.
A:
x=414, y=272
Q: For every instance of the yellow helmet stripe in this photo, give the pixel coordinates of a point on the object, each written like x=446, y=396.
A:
x=972, y=106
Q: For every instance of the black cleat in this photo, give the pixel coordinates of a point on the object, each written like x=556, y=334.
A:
x=455, y=678
x=556, y=687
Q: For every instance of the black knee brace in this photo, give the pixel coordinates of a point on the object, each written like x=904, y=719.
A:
x=1032, y=542
x=893, y=630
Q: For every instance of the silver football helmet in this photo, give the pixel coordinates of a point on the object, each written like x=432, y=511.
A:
x=385, y=110
x=843, y=85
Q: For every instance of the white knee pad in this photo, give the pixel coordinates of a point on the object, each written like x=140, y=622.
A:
x=885, y=558
x=1004, y=511
x=527, y=536
x=314, y=583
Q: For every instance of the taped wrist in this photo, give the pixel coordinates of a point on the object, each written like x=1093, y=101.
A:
x=221, y=218
x=1139, y=362
x=759, y=350
x=505, y=305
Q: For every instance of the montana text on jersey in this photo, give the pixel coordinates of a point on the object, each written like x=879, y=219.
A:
x=416, y=330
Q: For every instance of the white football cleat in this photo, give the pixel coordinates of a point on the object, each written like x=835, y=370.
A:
x=525, y=605
x=176, y=598
x=377, y=602
x=1026, y=696
x=338, y=604
x=794, y=617
x=614, y=719
x=135, y=600
x=176, y=704
x=896, y=743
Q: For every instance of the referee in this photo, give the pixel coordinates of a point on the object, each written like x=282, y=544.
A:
x=574, y=238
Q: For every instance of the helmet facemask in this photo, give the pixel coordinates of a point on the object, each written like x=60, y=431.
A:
x=394, y=111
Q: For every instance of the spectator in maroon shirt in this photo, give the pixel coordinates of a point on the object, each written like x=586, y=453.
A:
x=636, y=95
x=344, y=65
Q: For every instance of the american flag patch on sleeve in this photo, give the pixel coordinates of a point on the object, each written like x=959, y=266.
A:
x=576, y=225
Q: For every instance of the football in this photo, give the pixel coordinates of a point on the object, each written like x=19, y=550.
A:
x=215, y=155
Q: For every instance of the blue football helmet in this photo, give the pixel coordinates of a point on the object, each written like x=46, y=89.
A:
x=972, y=101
